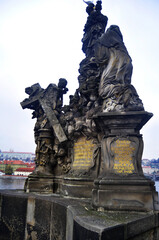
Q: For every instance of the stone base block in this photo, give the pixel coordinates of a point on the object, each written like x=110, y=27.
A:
x=77, y=187
x=126, y=195
x=41, y=184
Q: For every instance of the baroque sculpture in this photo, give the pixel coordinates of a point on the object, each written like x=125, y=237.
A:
x=93, y=145
x=115, y=85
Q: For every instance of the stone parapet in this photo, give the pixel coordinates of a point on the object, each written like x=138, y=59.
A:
x=49, y=216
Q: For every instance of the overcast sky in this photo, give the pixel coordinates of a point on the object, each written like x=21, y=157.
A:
x=40, y=41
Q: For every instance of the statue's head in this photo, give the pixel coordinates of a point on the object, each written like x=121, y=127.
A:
x=115, y=29
x=62, y=83
x=98, y=6
x=34, y=88
x=90, y=8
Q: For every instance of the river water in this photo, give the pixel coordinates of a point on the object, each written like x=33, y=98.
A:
x=10, y=182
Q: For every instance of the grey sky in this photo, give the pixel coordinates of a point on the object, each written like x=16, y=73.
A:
x=40, y=41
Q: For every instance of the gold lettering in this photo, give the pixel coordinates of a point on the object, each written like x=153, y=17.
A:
x=123, y=156
x=83, y=154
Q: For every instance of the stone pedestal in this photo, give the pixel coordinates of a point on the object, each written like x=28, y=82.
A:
x=41, y=184
x=78, y=182
x=77, y=187
x=121, y=184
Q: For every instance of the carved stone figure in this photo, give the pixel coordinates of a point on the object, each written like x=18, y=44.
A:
x=89, y=70
x=115, y=85
x=48, y=131
x=93, y=146
x=94, y=27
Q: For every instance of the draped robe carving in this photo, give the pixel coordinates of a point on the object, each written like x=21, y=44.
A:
x=116, y=66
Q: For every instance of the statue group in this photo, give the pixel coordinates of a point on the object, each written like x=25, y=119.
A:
x=97, y=135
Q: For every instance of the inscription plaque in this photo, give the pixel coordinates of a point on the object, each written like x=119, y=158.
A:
x=123, y=151
x=83, y=154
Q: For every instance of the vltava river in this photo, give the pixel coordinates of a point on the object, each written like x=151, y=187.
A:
x=10, y=182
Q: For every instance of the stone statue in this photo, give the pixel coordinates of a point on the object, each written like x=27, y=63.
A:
x=89, y=70
x=93, y=146
x=115, y=85
x=94, y=27
x=50, y=137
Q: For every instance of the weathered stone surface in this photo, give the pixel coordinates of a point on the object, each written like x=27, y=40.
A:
x=58, y=221
x=113, y=233
x=49, y=216
x=41, y=184
x=59, y=128
x=121, y=184
x=146, y=225
x=97, y=135
x=49, y=133
x=83, y=233
x=13, y=216
x=79, y=187
x=115, y=84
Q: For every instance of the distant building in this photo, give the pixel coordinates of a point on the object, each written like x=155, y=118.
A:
x=149, y=170
x=145, y=162
x=23, y=171
x=11, y=155
x=15, y=164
